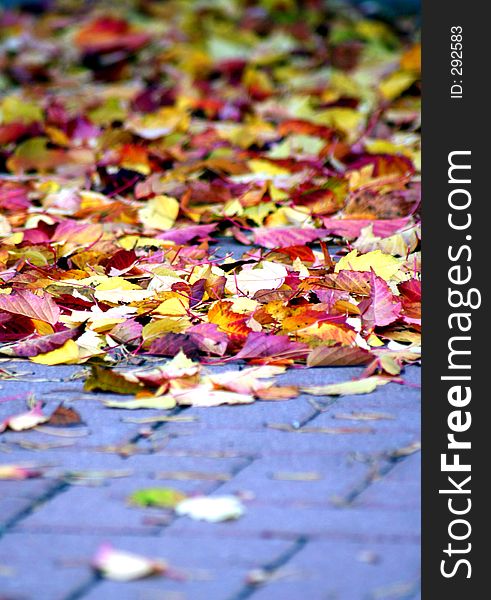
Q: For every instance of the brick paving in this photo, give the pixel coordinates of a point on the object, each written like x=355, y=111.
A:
x=329, y=516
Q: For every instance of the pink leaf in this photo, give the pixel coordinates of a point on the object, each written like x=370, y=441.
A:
x=186, y=234
x=261, y=345
x=380, y=308
x=209, y=338
x=27, y=304
x=287, y=236
x=351, y=228
x=25, y=420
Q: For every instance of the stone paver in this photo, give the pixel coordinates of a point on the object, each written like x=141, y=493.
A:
x=332, y=502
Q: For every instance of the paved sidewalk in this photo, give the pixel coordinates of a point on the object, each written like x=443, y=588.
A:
x=332, y=504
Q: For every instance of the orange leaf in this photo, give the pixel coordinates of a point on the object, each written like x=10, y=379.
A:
x=232, y=323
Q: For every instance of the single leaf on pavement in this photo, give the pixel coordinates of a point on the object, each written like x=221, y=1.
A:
x=125, y=566
x=211, y=508
x=159, y=497
x=348, y=388
x=26, y=420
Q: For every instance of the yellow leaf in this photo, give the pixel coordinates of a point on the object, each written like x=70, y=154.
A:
x=397, y=83
x=118, y=289
x=177, y=306
x=129, y=242
x=155, y=125
x=117, y=283
x=346, y=120
x=42, y=327
x=161, y=326
x=14, y=110
x=376, y=146
x=67, y=354
x=159, y=213
x=264, y=167
x=384, y=265
x=375, y=341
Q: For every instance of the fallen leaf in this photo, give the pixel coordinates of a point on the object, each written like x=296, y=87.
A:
x=42, y=308
x=25, y=420
x=211, y=508
x=19, y=472
x=159, y=497
x=64, y=416
x=66, y=354
x=119, y=565
x=347, y=388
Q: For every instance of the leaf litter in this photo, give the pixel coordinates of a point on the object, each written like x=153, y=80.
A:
x=142, y=141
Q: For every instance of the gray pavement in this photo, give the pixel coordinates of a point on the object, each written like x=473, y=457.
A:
x=332, y=503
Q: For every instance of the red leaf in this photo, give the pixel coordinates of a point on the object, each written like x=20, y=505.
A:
x=121, y=262
x=304, y=253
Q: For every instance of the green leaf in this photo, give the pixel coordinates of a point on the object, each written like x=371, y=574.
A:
x=161, y=497
x=105, y=380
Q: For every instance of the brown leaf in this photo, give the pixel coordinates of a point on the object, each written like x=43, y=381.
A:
x=64, y=416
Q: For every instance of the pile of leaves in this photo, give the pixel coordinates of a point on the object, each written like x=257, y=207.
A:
x=135, y=142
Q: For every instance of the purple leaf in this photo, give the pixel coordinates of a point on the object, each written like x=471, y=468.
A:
x=40, y=345
x=280, y=237
x=262, y=345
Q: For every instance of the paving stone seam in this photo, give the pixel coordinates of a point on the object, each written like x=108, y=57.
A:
x=95, y=580
x=58, y=488
x=249, y=589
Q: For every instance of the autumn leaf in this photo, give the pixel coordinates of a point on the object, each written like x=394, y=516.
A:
x=211, y=508
x=159, y=497
x=25, y=420
x=338, y=356
x=384, y=265
x=25, y=303
x=39, y=345
x=381, y=308
x=347, y=388
x=106, y=380
x=66, y=354
x=228, y=321
x=125, y=566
